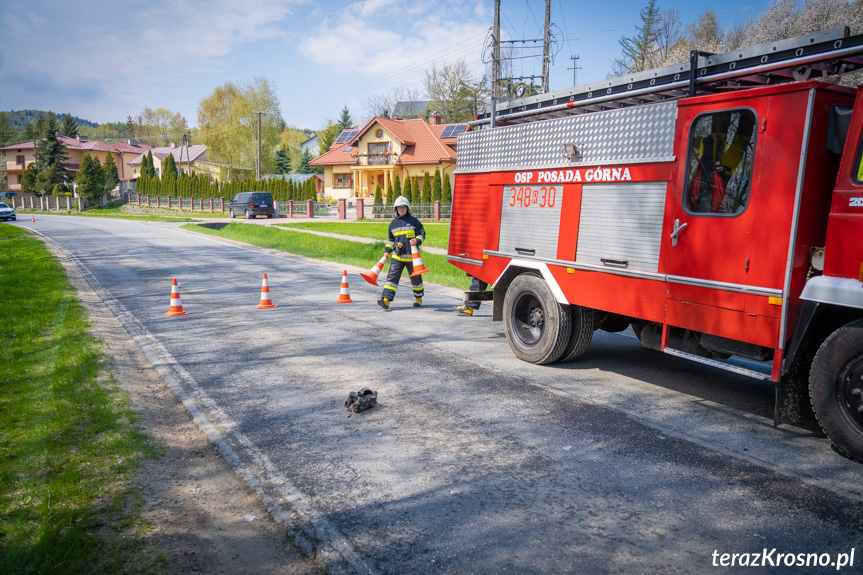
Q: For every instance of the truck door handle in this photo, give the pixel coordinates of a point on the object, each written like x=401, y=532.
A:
x=678, y=227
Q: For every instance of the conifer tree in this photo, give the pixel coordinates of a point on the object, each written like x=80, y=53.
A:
x=378, y=199
x=50, y=156
x=69, y=126
x=408, y=191
x=389, y=198
x=91, y=182
x=446, y=192
x=425, y=199
x=109, y=173
x=436, y=187
x=397, y=189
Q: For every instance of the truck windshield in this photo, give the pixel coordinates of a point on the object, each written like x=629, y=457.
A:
x=721, y=152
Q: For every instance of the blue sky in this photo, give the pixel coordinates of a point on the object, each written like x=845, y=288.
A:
x=103, y=61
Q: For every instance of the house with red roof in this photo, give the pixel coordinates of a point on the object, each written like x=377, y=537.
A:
x=21, y=155
x=360, y=159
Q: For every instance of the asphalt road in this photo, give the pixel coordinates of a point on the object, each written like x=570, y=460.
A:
x=628, y=461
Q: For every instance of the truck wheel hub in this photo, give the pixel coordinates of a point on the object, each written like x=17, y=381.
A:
x=851, y=392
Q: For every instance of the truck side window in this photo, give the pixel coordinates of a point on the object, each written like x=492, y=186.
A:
x=857, y=173
x=719, y=164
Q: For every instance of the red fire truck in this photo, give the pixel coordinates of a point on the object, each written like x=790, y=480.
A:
x=715, y=206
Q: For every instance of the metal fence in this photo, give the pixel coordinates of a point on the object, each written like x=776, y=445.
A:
x=421, y=211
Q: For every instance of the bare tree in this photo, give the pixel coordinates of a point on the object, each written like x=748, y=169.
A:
x=456, y=93
x=384, y=104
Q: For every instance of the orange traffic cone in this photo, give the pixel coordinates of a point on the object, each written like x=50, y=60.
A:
x=33, y=219
x=371, y=276
x=344, y=295
x=176, y=304
x=419, y=267
x=266, y=302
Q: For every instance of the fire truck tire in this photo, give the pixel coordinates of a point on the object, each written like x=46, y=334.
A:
x=580, y=332
x=836, y=389
x=536, y=326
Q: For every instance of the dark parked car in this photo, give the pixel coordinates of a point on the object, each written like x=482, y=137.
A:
x=6, y=213
x=252, y=204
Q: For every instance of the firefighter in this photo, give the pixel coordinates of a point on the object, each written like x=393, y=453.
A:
x=469, y=307
x=403, y=230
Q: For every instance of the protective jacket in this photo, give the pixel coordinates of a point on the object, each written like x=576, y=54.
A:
x=402, y=230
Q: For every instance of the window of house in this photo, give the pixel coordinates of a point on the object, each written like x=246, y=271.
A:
x=344, y=180
x=19, y=160
x=719, y=162
x=378, y=154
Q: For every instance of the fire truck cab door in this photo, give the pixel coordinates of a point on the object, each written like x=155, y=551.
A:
x=713, y=214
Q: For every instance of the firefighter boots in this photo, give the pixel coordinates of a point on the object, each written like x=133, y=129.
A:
x=418, y=301
x=384, y=302
x=464, y=310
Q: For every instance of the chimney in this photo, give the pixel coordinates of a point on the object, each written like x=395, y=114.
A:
x=173, y=145
x=434, y=119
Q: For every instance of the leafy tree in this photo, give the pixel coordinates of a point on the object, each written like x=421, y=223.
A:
x=91, y=180
x=446, y=191
x=28, y=180
x=378, y=201
x=283, y=161
x=426, y=192
x=59, y=190
x=110, y=173
x=640, y=50
x=436, y=187
x=228, y=121
x=345, y=121
x=69, y=127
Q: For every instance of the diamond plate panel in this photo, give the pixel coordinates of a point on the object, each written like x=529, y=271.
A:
x=637, y=134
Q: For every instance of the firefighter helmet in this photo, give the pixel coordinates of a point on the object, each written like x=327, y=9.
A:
x=402, y=201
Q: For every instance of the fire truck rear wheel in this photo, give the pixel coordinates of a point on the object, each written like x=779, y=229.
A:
x=836, y=389
x=581, y=332
x=537, y=327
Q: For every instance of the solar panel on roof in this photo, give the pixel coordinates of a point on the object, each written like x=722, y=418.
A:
x=453, y=130
x=346, y=136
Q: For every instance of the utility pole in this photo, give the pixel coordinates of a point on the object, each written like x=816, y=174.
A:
x=546, y=47
x=258, y=165
x=575, y=68
x=495, y=61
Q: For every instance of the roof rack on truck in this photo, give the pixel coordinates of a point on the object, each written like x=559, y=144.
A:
x=828, y=53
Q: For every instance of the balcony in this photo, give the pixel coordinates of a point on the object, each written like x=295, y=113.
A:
x=377, y=159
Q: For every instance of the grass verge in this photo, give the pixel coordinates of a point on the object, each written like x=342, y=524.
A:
x=437, y=235
x=69, y=444
x=116, y=212
x=331, y=249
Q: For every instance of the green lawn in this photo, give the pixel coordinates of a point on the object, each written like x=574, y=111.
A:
x=331, y=249
x=69, y=444
x=115, y=212
x=437, y=235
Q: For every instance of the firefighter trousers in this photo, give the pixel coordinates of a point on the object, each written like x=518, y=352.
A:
x=395, y=274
